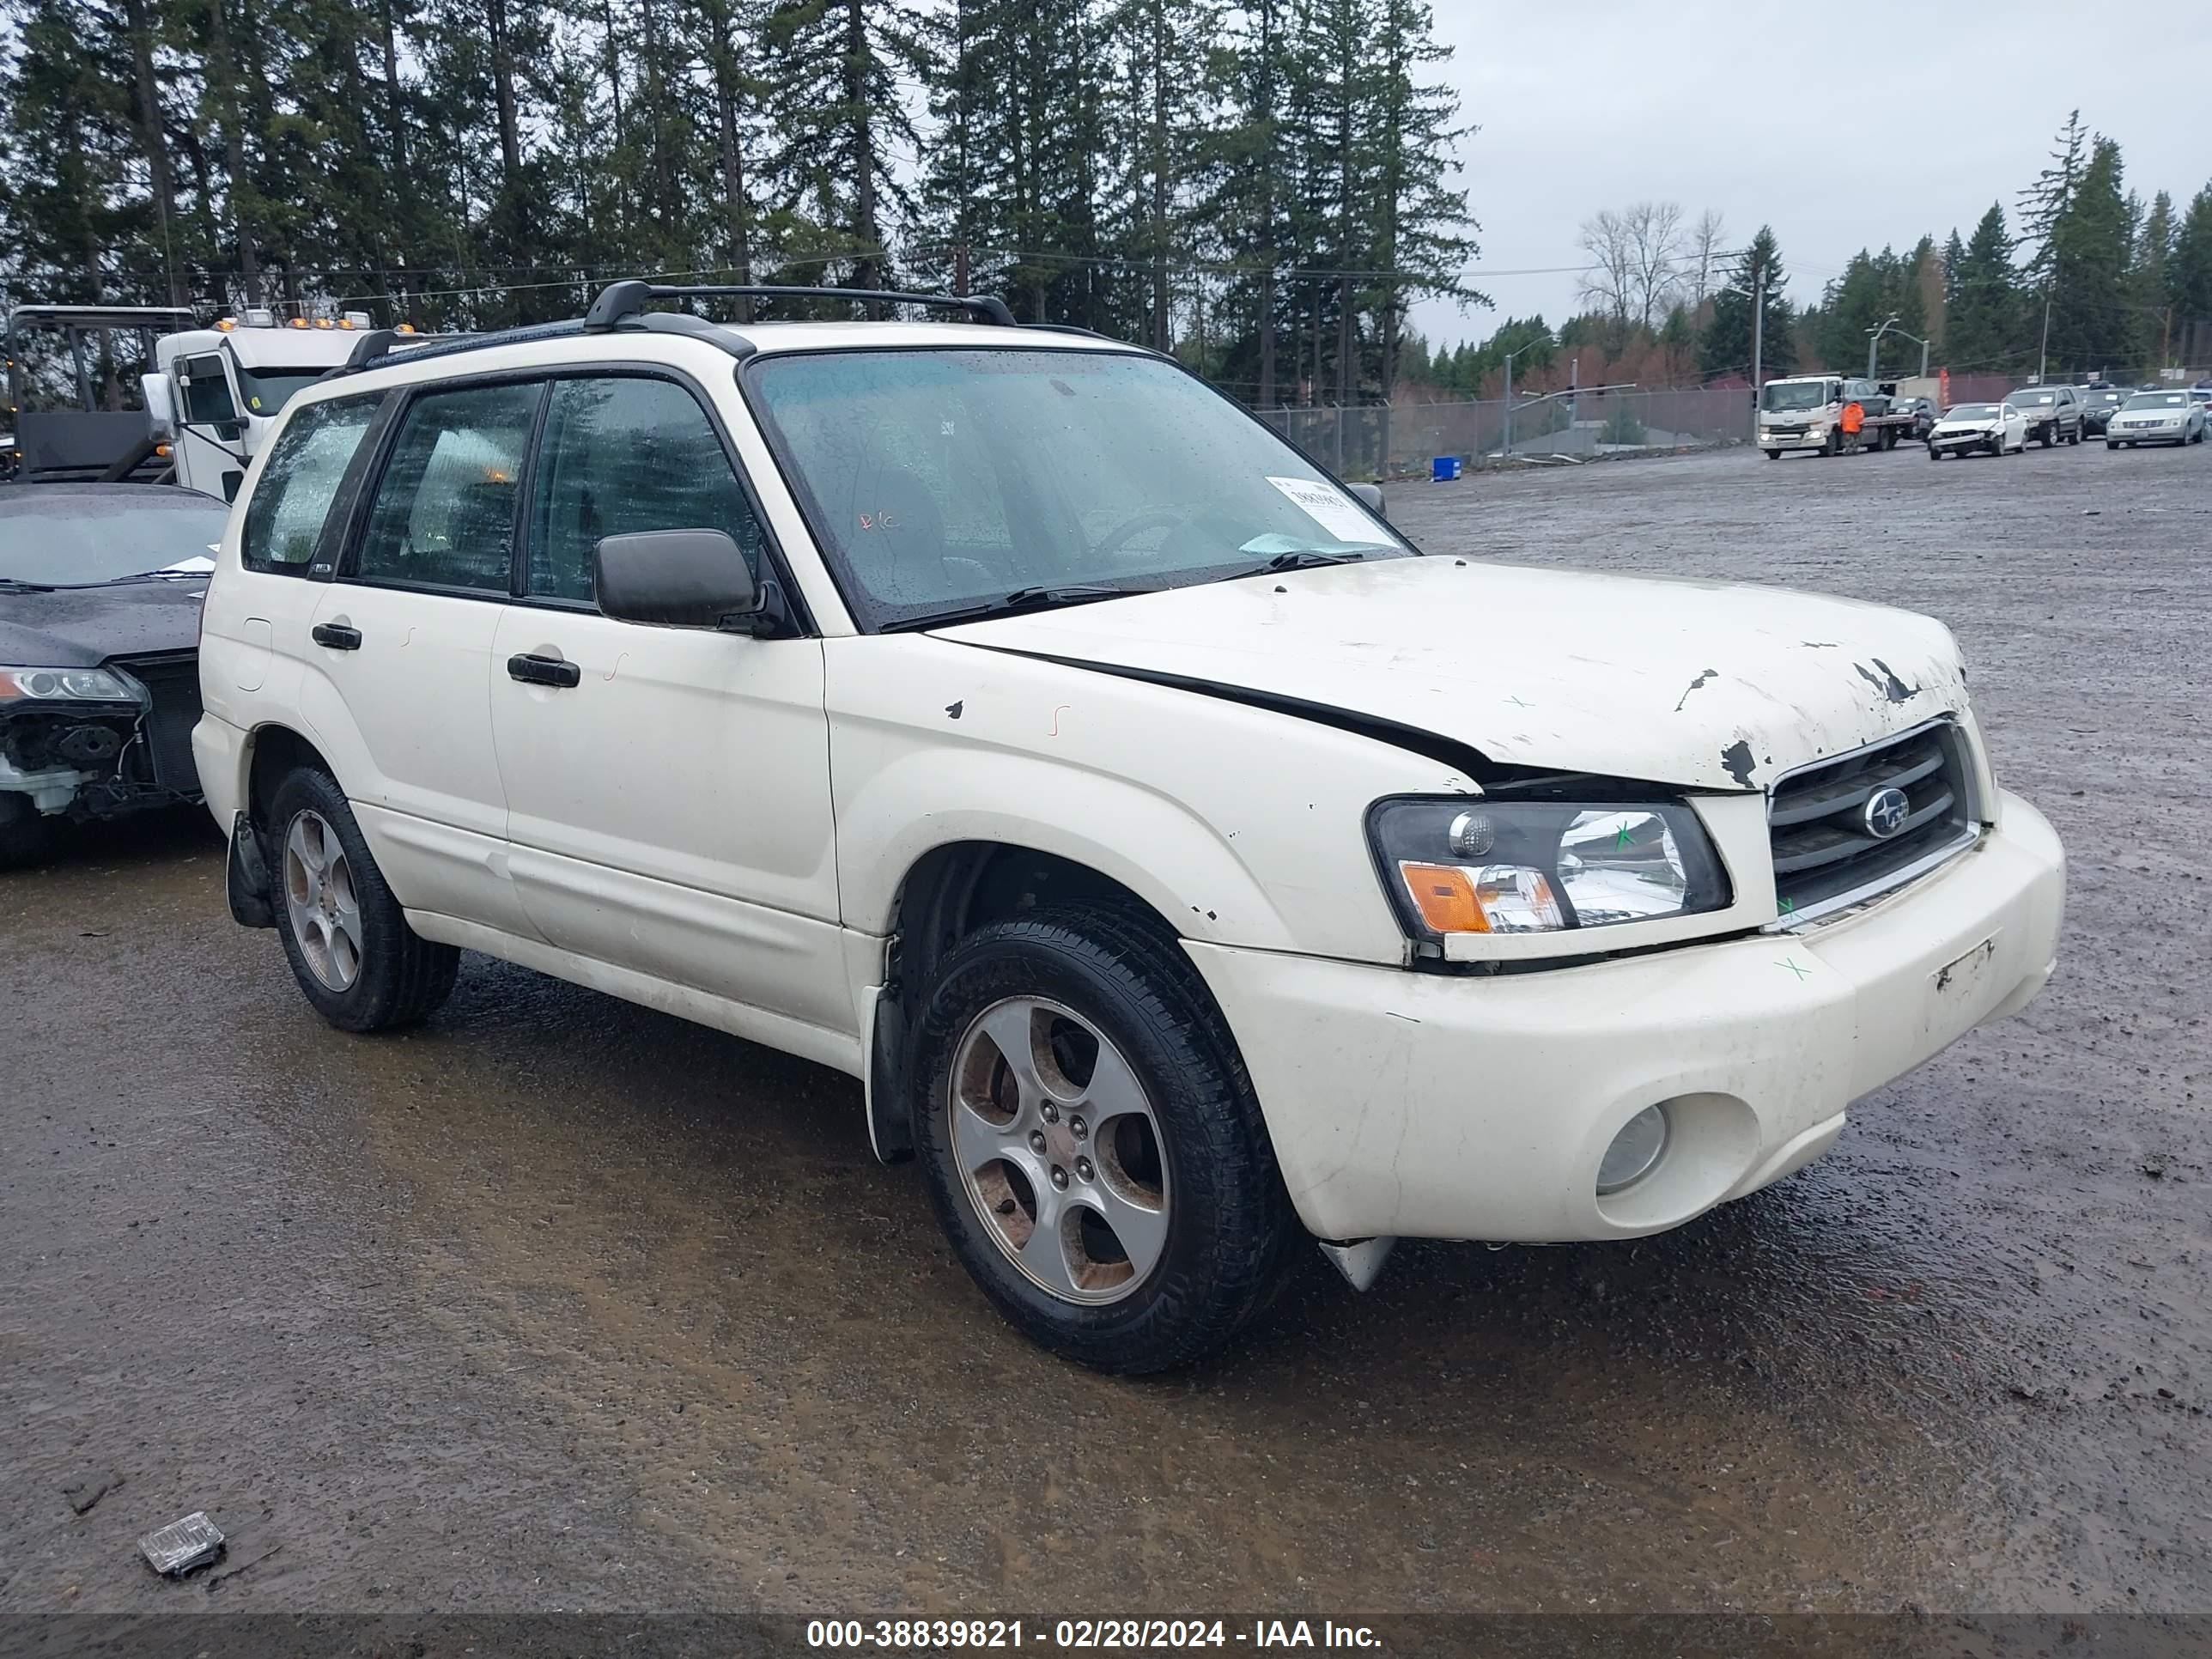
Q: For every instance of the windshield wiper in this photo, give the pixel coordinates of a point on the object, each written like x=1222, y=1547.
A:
x=1022, y=599
x=17, y=585
x=1302, y=559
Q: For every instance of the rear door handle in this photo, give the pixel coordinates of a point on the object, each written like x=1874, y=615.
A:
x=544, y=670
x=337, y=635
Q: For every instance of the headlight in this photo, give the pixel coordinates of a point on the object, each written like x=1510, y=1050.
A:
x=1482, y=866
x=63, y=685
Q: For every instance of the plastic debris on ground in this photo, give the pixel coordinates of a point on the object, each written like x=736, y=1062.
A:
x=182, y=1545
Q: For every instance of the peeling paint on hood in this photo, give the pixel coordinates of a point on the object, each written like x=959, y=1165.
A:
x=1567, y=670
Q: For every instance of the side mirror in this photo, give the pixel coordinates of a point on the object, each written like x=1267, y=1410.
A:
x=1371, y=494
x=161, y=406
x=674, y=578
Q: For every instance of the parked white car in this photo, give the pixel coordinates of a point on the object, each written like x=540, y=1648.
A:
x=1988, y=429
x=1184, y=865
x=2157, y=417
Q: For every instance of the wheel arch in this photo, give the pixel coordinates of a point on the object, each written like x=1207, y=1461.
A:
x=947, y=893
x=273, y=752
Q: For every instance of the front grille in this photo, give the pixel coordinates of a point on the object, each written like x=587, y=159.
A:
x=1826, y=855
x=175, y=684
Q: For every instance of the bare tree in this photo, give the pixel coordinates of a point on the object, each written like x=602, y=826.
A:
x=1635, y=261
x=1702, y=261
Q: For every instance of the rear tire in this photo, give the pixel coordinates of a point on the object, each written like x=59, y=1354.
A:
x=356, y=959
x=1211, y=1196
x=27, y=836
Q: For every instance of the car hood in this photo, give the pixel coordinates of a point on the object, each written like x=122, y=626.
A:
x=1697, y=684
x=83, y=627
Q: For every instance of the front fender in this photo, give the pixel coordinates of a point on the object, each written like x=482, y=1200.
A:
x=1238, y=825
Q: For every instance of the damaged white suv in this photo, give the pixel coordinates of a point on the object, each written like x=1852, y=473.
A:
x=1183, y=863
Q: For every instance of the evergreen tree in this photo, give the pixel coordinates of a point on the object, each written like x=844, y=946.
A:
x=1982, y=323
x=837, y=66
x=2148, y=296
x=2189, y=274
x=1727, y=348
x=2086, y=254
x=1422, y=234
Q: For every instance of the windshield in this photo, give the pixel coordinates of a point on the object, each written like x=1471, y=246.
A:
x=945, y=481
x=266, y=390
x=1795, y=394
x=73, y=539
x=1970, y=412
x=2160, y=400
x=2105, y=399
x=2033, y=400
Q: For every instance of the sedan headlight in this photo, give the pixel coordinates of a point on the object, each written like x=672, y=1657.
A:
x=1482, y=866
x=63, y=685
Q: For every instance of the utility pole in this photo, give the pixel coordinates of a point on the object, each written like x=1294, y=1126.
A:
x=960, y=268
x=2042, y=352
x=1541, y=339
x=1758, y=339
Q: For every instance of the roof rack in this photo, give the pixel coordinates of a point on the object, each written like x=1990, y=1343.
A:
x=618, y=300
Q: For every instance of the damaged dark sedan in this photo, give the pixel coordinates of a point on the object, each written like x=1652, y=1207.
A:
x=100, y=589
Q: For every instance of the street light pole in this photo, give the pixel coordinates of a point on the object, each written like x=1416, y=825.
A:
x=1890, y=327
x=1540, y=339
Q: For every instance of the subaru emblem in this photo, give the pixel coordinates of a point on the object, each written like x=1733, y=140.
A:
x=1886, y=812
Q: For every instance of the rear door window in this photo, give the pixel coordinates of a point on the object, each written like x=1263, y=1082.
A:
x=285, y=519
x=443, y=513
x=620, y=455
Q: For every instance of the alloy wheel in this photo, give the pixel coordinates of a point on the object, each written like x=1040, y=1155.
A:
x=320, y=897
x=1059, y=1149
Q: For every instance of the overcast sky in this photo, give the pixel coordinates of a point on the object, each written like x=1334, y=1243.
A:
x=1721, y=104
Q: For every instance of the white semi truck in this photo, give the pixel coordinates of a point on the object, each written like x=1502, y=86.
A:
x=211, y=395
x=215, y=393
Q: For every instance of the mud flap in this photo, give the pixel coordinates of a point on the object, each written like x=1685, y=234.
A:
x=246, y=876
x=891, y=1125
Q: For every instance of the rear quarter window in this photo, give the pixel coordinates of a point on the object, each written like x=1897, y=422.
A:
x=291, y=504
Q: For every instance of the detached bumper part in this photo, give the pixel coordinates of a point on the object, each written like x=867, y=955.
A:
x=1435, y=1106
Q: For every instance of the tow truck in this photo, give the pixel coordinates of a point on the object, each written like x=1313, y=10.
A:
x=211, y=394
x=1805, y=412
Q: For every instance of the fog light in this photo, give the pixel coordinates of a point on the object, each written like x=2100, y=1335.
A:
x=1634, y=1150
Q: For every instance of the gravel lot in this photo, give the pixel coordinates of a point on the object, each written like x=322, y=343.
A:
x=557, y=1303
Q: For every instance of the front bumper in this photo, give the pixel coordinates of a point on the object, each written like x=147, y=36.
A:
x=1816, y=438
x=1969, y=441
x=1431, y=1106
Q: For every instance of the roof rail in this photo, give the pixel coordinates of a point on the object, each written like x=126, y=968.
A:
x=619, y=299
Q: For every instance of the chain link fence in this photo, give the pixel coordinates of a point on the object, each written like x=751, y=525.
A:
x=1405, y=439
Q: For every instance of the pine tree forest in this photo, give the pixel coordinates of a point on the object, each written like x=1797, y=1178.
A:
x=1258, y=188
x=1265, y=188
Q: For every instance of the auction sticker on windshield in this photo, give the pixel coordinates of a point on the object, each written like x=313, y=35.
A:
x=1327, y=507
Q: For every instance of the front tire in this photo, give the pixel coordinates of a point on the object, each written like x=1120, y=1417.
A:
x=2111, y=443
x=356, y=959
x=1773, y=454
x=1092, y=1145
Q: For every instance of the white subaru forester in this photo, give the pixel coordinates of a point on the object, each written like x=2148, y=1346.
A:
x=1181, y=862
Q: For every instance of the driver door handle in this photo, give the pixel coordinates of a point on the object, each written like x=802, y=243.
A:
x=337, y=635
x=532, y=670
